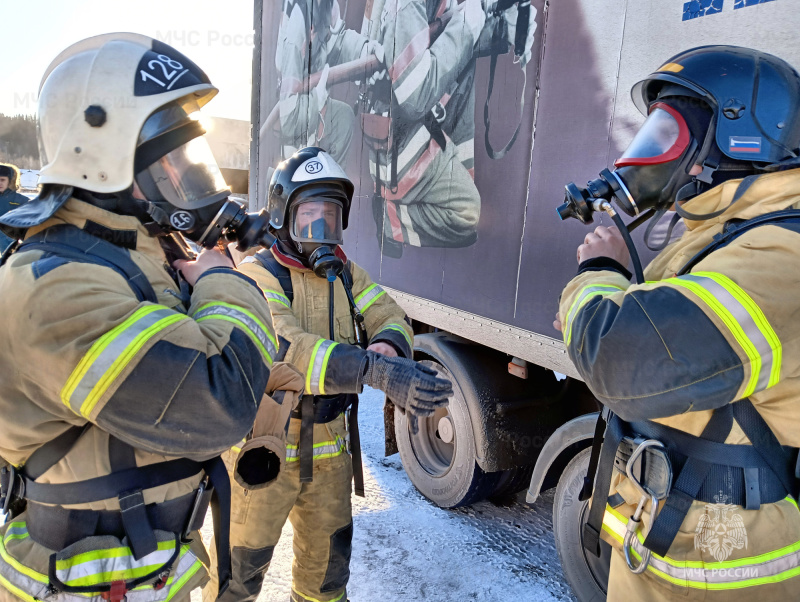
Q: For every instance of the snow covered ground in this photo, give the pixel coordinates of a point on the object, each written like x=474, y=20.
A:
x=407, y=548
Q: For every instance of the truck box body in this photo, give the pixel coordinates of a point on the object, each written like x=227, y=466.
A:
x=577, y=118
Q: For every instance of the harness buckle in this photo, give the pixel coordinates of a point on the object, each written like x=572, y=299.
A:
x=634, y=521
x=8, y=482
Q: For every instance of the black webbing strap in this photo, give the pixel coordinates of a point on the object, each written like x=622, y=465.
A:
x=221, y=516
x=602, y=484
x=733, y=230
x=109, y=486
x=133, y=512
x=781, y=460
x=306, y=443
x=277, y=269
x=49, y=454
x=687, y=486
x=355, y=449
x=597, y=444
x=70, y=242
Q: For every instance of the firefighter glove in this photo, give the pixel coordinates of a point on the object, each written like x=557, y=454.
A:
x=409, y=385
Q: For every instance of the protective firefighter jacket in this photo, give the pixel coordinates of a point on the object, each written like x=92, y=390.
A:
x=80, y=349
x=329, y=367
x=674, y=349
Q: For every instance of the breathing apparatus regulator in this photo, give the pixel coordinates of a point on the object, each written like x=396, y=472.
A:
x=719, y=112
x=309, y=206
x=120, y=128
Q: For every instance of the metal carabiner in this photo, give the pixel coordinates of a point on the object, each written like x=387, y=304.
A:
x=630, y=532
x=634, y=521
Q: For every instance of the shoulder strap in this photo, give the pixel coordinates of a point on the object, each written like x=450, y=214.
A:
x=280, y=271
x=789, y=219
x=70, y=242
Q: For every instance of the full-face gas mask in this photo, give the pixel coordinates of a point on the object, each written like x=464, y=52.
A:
x=309, y=204
x=713, y=113
x=655, y=167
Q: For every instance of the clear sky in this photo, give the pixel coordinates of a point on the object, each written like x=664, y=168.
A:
x=216, y=34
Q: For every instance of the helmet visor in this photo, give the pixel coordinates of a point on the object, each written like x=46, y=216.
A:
x=663, y=137
x=189, y=177
x=317, y=220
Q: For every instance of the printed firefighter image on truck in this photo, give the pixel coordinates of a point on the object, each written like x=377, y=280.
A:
x=415, y=61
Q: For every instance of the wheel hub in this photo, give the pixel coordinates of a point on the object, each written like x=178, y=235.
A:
x=445, y=429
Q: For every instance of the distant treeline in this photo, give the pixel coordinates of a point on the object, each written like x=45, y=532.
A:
x=18, y=141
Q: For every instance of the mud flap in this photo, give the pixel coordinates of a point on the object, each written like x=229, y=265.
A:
x=338, y=573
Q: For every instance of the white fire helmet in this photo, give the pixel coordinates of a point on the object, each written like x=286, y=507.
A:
x=95, y=98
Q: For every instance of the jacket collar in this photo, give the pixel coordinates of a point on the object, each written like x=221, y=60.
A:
x=78, y=213
x=290, y=262
x=770, y=192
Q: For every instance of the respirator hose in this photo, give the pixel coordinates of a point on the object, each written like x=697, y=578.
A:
x=626, y=235
x=330, y=308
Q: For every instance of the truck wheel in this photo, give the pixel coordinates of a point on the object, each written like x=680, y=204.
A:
x=440, y=458
x=586, y=573
x=512, y=481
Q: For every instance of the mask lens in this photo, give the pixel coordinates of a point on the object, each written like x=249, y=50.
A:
x=317, y=220
x=189, y=177
x=663, y=137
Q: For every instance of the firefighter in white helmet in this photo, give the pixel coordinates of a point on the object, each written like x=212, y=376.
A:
x=121, y=386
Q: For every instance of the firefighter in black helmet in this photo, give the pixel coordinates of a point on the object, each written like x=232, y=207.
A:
x=344, y=331
x=699, y=365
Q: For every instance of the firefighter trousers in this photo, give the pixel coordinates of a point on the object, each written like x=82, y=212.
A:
x=320, y=513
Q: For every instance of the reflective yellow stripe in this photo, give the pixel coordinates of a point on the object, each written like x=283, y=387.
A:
x=746, y=322
x=368, y=296
x=401, y=330
x=322, y=451
x=111, y=354
x=318, y=366
x=759, y=319
x=16, y=591
x=175, y=589
x=310, y=599
x=245, y=320
x=105, y=554
x=770, y=567
x=582, y=298
x=14, y=564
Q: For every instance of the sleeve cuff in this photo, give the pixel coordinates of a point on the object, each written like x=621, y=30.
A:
x=603, y=264
x=230, y=272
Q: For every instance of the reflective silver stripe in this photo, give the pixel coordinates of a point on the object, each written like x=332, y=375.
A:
x=327, y=449
x=745, y=321
x=278, y=297
x=368, y=297
x=87, y=570
x=16, y=531
x=245, y=319
x=585, y=295
x=315, y=377
x=111, y=351
x=734, y=574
